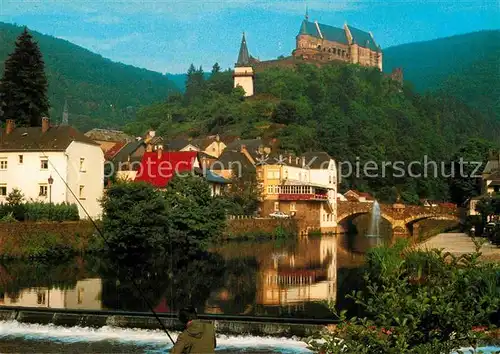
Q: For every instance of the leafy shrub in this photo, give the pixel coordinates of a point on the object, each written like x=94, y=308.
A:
x=8, y=218
x=417, y=302
x=281, y=232
x=15, y=197
x=37, y=211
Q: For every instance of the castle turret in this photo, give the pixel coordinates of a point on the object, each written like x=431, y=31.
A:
x=243, y=71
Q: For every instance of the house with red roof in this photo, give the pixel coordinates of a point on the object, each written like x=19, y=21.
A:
x=356, y=196
x=159, y=167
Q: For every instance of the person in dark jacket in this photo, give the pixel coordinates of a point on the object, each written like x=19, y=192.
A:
x=198, y=337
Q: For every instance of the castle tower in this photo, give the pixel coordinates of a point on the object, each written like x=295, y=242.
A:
x=243, y=72
x=65, y=114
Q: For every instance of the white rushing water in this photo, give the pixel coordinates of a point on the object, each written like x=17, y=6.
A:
x=374, y=230
x=34, y=332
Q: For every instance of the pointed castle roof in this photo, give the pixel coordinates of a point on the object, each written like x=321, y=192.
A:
x=243, y=56
x=335, y=34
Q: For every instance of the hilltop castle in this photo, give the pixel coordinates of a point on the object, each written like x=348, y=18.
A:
x=320, y=42
x=316, y=43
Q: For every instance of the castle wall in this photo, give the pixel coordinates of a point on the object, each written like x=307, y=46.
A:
x=309, y=47
x=313, y=48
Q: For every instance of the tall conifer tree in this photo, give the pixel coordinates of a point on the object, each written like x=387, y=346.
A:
x=23, y=87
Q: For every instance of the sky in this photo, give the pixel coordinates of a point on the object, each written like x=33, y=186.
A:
x=169, y=35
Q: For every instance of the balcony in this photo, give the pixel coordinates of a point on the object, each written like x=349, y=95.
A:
x=308, y=196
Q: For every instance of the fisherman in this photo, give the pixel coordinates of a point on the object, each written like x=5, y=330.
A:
x=198, y=337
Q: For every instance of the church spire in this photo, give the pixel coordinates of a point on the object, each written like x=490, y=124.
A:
x=65, y=114
x=307, y=12
x=243, y=57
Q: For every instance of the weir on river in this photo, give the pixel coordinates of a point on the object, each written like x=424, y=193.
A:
x=23, y=337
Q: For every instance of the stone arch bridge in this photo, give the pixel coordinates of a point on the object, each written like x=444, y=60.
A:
x=401, y=217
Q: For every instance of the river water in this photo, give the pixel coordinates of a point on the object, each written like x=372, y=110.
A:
x=285, y=278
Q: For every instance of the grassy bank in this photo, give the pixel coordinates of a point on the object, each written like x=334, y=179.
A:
x=44, y=240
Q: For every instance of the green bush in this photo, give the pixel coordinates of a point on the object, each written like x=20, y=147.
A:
x=282, y=232
x=417, y=302
x=37, y=211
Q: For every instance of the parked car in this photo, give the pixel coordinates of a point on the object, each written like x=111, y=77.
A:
x=279, y=215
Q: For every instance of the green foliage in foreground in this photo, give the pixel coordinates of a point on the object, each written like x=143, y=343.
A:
x=141, y=222
x=417, y=302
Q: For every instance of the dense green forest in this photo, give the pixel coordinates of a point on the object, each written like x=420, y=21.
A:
x=349, y=111
x=99, y=92
x=465, y=66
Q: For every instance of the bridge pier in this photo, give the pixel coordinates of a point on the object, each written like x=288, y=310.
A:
x=400, y=232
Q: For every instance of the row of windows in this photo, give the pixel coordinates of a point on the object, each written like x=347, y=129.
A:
x=328, y=217
x=337, y=51
x=300, y=177
x=41, y=297
x=44, y=163
x=43, y=190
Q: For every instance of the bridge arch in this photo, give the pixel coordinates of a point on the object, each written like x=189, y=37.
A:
x=401, y=217
x=352, y=215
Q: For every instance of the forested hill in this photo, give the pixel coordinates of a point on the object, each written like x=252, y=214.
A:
x=346, y=110
x=465, y=66
x=100, y=93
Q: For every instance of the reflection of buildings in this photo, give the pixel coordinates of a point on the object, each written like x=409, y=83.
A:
x=290, y=278
x=309, y=274
x=86, y=295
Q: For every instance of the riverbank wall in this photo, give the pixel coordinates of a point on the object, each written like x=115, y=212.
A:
x=248, y=228
x=229, y=325
x=23, y=239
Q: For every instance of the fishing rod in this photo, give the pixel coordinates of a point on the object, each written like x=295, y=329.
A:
x=134, y=283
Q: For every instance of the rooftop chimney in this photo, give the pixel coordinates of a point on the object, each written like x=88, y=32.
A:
x=10, y=126
x=45, y=124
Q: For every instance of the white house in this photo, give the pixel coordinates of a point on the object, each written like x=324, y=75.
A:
x=52, y=164
x=304, y=186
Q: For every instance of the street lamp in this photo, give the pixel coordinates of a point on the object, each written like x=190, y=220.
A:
x=50, y=180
